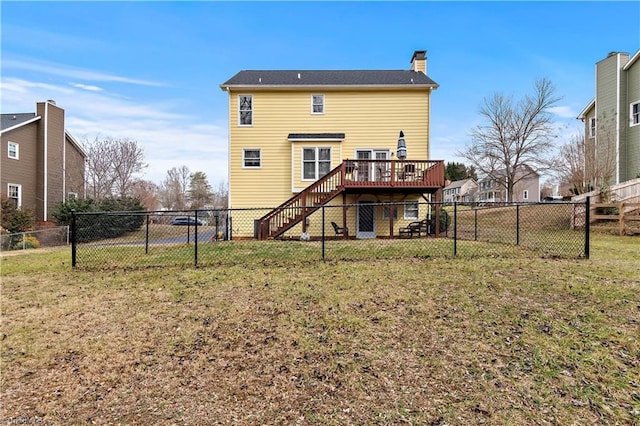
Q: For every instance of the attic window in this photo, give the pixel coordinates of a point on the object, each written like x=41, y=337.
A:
x=317, y=104
x=592, y=127
x=245, y=110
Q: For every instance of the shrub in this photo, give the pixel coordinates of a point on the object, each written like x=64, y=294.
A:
x=28, y=242
x=14, y=219
x=113, y=217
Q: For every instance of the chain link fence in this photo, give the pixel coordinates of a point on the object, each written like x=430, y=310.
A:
x=48, y=237
x=365, y=230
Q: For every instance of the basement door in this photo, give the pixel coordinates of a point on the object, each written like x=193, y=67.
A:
x=366, y=222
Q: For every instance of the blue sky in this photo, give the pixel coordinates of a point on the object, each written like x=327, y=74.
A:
x=151, y=71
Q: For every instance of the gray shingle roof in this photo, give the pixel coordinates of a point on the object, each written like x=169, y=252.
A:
x=316, y=136
x=10, y=120
x=329, y=78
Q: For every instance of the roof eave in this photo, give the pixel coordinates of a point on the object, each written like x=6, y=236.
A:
x=237, y=87
x=24, y=123
x=633, y=59
x=75, y=143
x=583, y=114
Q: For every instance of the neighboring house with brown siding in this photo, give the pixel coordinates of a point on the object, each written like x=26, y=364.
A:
x=41, y=163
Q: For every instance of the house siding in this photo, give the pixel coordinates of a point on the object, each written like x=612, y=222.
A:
x=21, y=171
x=53, y=118
x=369, y=120
x=607, y=110
x=64, y=162
x=632, y=146
x=74, y=170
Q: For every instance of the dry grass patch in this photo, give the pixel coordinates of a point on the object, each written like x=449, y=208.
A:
x=436, y=341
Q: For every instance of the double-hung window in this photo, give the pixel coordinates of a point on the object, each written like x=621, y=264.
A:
x=592, y=127
x=251, y=158
x=14, y=192
x=13, y=150
x=316, y=162
x=525, y=194
x=317, y=104
x=411, y=210
x=634, y=113
x=245, y=110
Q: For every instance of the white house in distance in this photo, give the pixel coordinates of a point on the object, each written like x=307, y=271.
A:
x=461, y=191
x=527, y=189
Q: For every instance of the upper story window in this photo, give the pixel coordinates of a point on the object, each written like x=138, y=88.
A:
x=245, y=110
x=251, y=158
x=635, y=113
x=317, y=104
x=316, y=162
x=411, y=210
x=592, y=127
x=13, y=150
x=14, y=193
x=525, y=194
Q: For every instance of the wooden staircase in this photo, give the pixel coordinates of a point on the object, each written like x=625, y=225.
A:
x=297, y=208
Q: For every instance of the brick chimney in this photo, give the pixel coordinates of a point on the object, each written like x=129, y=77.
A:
x=419, y=61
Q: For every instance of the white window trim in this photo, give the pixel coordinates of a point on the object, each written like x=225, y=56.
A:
x=592, y=127
x=312, y=104
x=631, y=123
x=9, y=185
x=406, y=211
x=17, y=145
x=239, y=113
x=317, y=161
x=244, y=150
x=525, y=194
x=72, y=196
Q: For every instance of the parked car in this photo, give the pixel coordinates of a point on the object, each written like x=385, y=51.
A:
x=186, y=220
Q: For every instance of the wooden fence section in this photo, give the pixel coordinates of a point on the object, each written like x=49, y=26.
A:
x=623, y=216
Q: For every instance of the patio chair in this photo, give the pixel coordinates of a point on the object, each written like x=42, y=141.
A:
x=344, y=231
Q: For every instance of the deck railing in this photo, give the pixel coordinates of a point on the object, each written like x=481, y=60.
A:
x=353, y=174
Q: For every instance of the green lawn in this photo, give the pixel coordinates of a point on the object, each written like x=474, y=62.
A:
x=500, y=339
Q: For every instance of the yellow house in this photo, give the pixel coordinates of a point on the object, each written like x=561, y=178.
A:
x=301, y=139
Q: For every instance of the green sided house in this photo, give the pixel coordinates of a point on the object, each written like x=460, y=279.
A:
x=302, y=139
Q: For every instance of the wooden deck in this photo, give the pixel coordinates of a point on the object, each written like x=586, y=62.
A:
x=425, y=175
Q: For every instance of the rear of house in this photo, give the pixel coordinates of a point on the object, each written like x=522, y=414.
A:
x=289, y=129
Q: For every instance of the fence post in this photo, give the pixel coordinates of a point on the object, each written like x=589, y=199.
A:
x=195, y=240
x=587, y=225
x=323, y=234
x=517, y=224
x=475, y=224
x=455, y=228
x=146, y=238
x=73, y=238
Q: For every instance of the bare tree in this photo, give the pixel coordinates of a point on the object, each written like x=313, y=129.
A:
x=221, y=196
x=99, y=168
x=147, y=192
x=173, y=191
x=584, y=167
x=129, y=160
x=111, y=166
x=514, y=135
